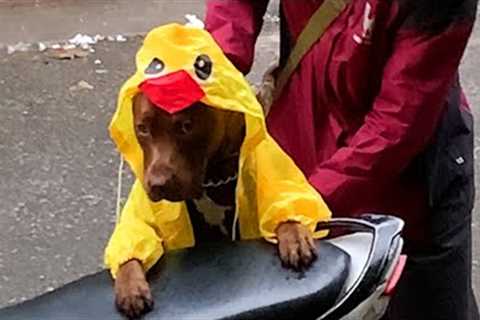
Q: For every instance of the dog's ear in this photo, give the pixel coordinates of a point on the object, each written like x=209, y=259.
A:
x=231, y=129
x=234, y=133
x=136, y=104
x=141, y=107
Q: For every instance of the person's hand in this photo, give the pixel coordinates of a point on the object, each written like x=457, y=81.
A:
x=265, y=90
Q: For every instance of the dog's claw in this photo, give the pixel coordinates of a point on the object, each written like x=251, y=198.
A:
x=294, y=259
x=134, y=307
x=148, y=305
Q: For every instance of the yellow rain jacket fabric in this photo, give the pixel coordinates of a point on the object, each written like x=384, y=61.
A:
x=270, y=188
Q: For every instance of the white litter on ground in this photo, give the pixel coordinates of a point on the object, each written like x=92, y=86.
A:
x=194, y=22
x=69, y=47
x=120, y=38
x=99, y=37
x=82, y=39
x=42, y=46
x=81, y=85
x=85, y=46
x=19, y=47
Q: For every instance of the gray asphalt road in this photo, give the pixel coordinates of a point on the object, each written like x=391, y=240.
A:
x=470, y=77
x=41, y=20
x=57, y=164
x=58, y=167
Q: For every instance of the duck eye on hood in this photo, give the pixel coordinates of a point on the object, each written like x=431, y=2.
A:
x=203, y=67
x=155, y=67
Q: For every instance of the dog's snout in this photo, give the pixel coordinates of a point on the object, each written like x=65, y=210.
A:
x=163, y=185
x=158, y=180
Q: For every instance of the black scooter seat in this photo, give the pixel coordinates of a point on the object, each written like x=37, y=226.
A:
x=241, y=280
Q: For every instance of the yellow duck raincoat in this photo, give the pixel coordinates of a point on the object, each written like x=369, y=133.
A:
x=270, y=188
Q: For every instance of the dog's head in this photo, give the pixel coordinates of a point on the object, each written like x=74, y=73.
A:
x=178, y=148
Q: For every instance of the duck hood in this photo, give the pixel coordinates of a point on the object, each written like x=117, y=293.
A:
x=177, y=66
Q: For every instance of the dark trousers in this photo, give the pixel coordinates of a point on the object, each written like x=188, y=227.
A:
x=437, y=282
x=437, y=286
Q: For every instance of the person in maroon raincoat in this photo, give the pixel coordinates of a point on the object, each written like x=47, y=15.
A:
x=375, y=117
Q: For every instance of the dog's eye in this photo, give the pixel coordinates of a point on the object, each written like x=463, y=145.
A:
x=203, y=67
x=184, y=127
x=155, y=67
x=143, y=130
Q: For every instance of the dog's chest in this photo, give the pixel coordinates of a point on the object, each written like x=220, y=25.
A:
x=212, y=216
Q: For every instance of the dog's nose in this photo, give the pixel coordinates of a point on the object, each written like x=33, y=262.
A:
x=156, y=182
x=163, y=187
x=157, y=192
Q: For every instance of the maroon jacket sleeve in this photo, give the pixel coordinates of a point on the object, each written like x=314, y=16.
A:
x=235, y=25
x=415, y=83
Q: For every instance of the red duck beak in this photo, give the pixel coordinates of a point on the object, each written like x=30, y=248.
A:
x=173, y=92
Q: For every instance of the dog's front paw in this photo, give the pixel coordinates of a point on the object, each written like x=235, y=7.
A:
x=295, y=245
x=132, y=292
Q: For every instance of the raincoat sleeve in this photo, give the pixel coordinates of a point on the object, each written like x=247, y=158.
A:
x=135, y=235
x=416, y=81
x=284, y=193
x=235, y=25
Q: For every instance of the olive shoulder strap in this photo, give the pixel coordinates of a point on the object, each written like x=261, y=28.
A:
x=313, y=31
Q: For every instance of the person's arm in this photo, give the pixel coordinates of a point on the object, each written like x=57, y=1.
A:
x=405, y=113
x=235, y=25
x=135, y=236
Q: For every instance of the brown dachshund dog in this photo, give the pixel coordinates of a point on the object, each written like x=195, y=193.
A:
x=182, y=152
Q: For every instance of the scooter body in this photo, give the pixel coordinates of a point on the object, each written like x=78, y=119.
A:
x=353, y=278
x=375, y=267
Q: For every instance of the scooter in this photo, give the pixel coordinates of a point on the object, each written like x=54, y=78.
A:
x=353, y=277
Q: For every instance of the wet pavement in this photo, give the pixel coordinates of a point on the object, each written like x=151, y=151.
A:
x=42, y=20
x=58, y=166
